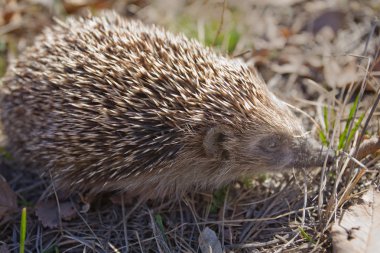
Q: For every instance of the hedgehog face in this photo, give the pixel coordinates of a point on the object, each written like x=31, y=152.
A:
x=276, y=151
x=272, y=151
x=269, y=151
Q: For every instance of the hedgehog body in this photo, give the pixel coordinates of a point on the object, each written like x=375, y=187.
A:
x=107, y=104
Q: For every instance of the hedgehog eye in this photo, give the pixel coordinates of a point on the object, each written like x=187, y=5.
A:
x=271, y=144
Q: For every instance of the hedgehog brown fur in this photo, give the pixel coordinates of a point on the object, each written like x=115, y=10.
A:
x=104, y=104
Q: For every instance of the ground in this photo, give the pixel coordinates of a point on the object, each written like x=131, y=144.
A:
x=322, y=57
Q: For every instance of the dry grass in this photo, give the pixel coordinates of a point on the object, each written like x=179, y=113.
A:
x=292, y=212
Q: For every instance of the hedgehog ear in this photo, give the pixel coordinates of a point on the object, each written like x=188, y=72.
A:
x=213, y=143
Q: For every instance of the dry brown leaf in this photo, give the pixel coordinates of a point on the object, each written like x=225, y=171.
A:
x=72, y=6
x=330, y=18
x=359, y=227
x=368, y=147
x=68, y=211
x=278, y=3
x=8, y=198
x=47, y=212
x=374, y=243
x=376, y=65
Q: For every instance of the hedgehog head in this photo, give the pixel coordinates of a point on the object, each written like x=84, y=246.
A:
x=270, y=140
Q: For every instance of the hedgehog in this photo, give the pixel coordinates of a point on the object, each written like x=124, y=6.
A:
x=108, y=104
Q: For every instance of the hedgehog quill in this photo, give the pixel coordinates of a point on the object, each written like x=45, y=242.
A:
x=108, y=104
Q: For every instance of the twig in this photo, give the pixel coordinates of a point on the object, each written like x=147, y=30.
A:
x=220, y=24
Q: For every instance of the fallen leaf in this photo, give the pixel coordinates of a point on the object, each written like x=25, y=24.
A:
x=330, y=18
x=72, y=6
x=373, y=242
x=368, y=147
x=208, y=242
x=286, y=32
x=376, y=65
x=359, y=227
x=278, y=3
x=68, y=211
x=8, y=198
x=47, y=212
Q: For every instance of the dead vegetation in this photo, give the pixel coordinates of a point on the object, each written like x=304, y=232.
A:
x=321, y=57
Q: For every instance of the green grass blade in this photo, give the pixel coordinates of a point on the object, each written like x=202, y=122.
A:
x=344, y=136
x=159, y=222
x=323, y=133
x=23, y=230
x=305, y=235
x=323, y=138
x=326, y=118
x=355, y=128
x=218, y=199
x=234, y=37
x=7, y=156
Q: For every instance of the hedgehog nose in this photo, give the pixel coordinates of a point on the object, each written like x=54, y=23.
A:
x=309, y=153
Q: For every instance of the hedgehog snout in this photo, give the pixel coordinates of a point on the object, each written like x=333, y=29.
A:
x=309, y=153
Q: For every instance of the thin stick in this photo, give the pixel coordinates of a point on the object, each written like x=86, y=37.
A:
x=220, y=24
